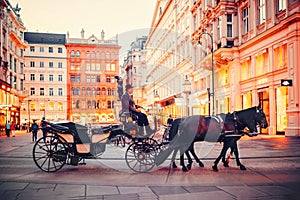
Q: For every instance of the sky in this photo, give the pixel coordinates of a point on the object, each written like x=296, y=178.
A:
x=127, y=18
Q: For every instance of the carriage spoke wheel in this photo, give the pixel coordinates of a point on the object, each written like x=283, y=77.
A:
x=140, y=156
x=50, y=153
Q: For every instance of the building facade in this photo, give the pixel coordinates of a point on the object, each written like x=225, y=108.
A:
x=12, y=63
x=45, y=77
x=247, y=49
x=92, y=64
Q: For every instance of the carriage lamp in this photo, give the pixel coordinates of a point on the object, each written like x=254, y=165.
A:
x=123, y=117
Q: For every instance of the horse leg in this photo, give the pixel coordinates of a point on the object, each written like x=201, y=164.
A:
x=184, y=168
x=192, y=150
x=173, y=159
x=190, y=161
x=227, y=160
x=236, y=153
x=222, y=154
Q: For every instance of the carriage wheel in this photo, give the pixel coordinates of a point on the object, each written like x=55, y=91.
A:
x=50, y=153
x=140, y=156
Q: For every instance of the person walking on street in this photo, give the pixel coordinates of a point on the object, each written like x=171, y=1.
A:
x=170, y=120
x=34, y=130
x=13, y=128
x=7, y=129
x=43, y=124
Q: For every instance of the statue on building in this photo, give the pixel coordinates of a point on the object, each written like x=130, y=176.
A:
x=120, y=86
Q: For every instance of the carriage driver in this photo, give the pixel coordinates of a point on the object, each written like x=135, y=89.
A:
x=129, y=106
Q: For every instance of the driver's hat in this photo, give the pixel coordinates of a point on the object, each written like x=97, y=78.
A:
x=128, y=86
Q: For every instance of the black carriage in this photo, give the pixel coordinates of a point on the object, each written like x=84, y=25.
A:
x=70, y=143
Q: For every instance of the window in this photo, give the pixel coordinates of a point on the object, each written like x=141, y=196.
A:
x=72, y=54
x=50, y=64
x=59, y=50
x=42, y=106
x=262, y=63
x=245, y=20
x=42, y=64
x=281, y=5
x=42, y=78
x=75, y=78
x=42, y=91
x=261, y=11
x=93, y=79
x=51, y=92
x=112, y=67
x=88, y=79
x=42, y=49
x=60, y=106
x=32, y=77
x=50, y=105
x=77, y=54
x=60, y=92
x=32, y=64
x=107, y=67
x=60, y=77
x=280, y=57
x=32, y=91
x=59, y=64
x=50, y=50
x=98, y=79
x=245, y=72
x=229, y=25
x=108, y=79
x=51, y=77
x=31, y=48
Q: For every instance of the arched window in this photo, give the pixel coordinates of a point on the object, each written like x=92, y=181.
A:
x=98, y=91
x=89, y=104
x=73, y=91
x=88, y=91
x=77, y=54
x=113, y=92
x=93, y=91
x=109, y=92
x=77, y=91
x=77, y=104
x=103, y=91
x=94, y=104
x=108, y=104
x=72, y=54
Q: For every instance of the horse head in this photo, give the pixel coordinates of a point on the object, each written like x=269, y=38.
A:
x=251, y=118
x=260, y=117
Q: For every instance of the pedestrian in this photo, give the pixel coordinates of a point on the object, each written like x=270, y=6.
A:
x=7, y=129
x=34, y=130
x=170, y=120
x=13, y=128
x=43, y=124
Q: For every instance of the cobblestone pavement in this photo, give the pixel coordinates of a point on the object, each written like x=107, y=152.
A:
x=272, y=163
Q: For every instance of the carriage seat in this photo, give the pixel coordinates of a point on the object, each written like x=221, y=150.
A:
x=128, y=117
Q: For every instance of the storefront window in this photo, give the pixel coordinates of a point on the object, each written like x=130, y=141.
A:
x=281, y=106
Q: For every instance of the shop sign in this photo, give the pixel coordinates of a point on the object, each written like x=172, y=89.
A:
x=286, y=82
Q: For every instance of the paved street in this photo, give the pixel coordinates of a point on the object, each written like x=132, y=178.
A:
x=272, y=163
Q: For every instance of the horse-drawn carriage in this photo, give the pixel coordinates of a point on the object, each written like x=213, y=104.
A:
x=70, y=143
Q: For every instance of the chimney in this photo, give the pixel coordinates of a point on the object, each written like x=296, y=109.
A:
x=82, y=33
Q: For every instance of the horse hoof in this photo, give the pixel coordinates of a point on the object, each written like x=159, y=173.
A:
x=201, y=164
x=225, y=164
x=189, y=166
x=184, y=169
x=215, y=168
x=242, y=167
x=174, y=166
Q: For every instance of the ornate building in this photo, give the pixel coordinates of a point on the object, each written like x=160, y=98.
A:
x=91, y=87
x=45, y=72
x=247, y=49
x=11, y=63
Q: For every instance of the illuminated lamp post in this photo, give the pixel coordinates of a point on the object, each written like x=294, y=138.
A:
x=212, y=94
x=186, y=90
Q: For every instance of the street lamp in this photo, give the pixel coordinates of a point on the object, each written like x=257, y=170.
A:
x=28, y=128
x=186, y=90
x=155, y=94
x=212, y=94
